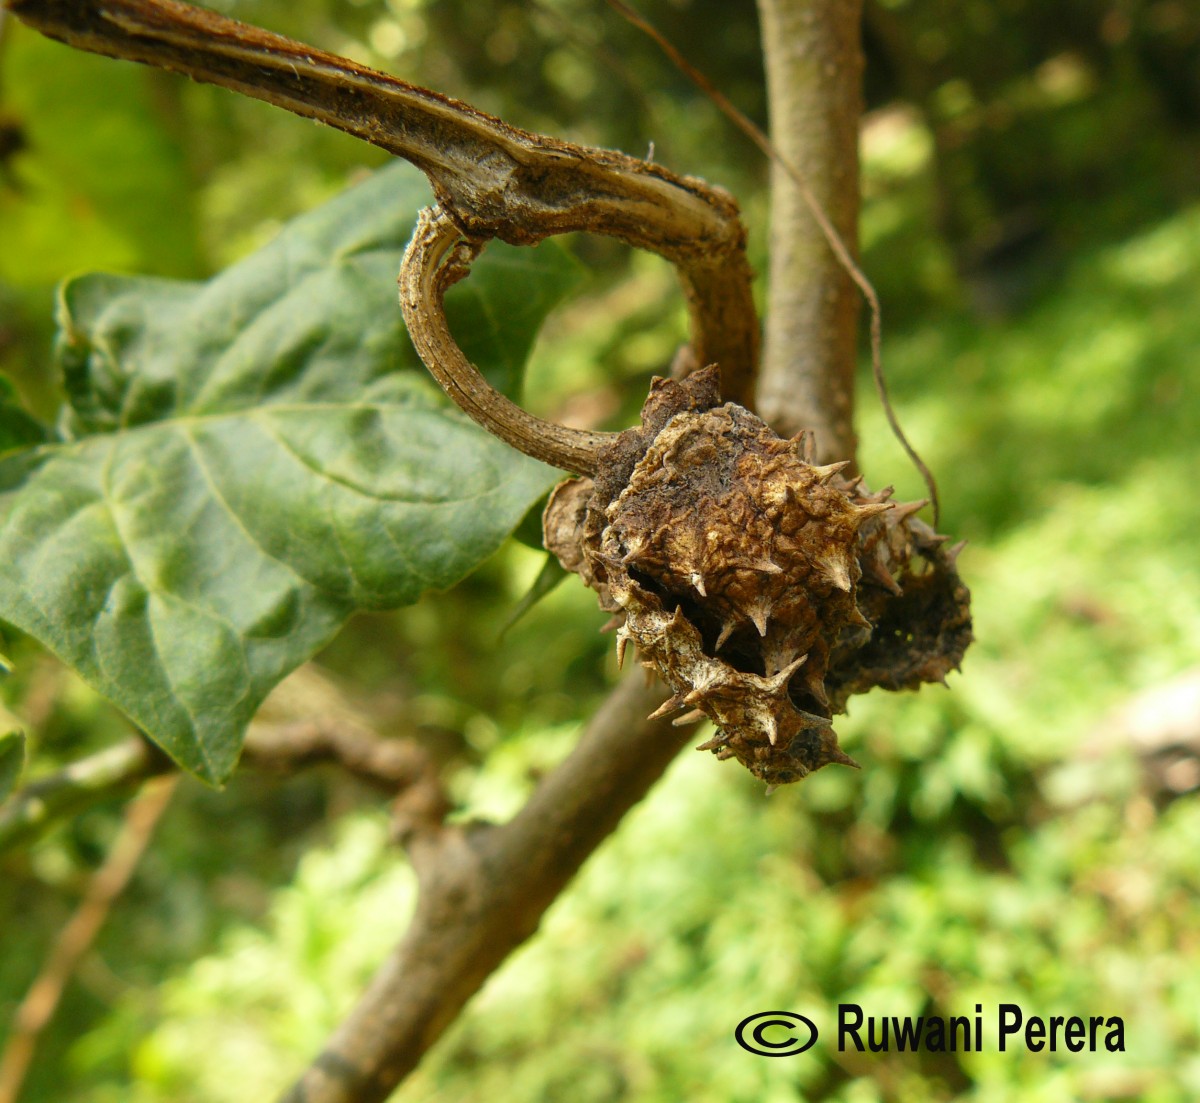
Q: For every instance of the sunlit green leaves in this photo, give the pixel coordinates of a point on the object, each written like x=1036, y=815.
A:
x=246, y=462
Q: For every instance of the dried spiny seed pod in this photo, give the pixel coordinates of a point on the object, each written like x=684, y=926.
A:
x=736, y=566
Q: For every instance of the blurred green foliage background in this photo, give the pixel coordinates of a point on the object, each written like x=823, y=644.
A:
x=1032, y=220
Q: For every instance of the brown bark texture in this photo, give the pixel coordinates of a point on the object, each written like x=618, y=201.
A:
x=483, y=891
x=436, y=258
x=814, y=62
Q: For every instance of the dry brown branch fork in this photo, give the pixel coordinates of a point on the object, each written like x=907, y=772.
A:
x=765, y=589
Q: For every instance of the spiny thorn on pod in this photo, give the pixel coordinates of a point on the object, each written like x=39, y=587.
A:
x=777, y=658
x=872, y=509
x=907, y=509
x=778, y=681
x=954, y=551
x=718, y=740
x=877, y=572
x=697, y=581
x=759, y=613
x=857, y=618
x=841, y=758
x=836, y=572
x=816, y=721
x=692, y=717
x=672, y=704
x=725, y=633
x=623, y=637
x=827, y=472
x=771, y=727
x=767, y=566
x=815, y=685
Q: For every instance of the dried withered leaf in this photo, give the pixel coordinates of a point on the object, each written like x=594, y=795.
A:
x=763, y=589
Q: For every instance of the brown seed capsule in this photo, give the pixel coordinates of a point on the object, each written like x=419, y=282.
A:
x=764, y=590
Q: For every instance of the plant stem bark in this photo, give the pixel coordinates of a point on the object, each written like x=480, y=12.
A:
x=389, y=765
x=814, y=66
x=483, y=891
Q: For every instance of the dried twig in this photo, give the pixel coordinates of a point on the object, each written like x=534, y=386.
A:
x=109, y=881
x=389, y=765
x=110, y=773
x=436, y=258
x=494, y=180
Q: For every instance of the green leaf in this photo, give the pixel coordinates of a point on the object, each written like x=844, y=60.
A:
x=310, y=316
x=495, y=319
x=249, y=461
x=12, y=762
x=529, y=531
x=551, y=574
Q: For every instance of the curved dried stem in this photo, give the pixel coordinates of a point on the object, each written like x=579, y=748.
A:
x=438, y=257
x=492, y=179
